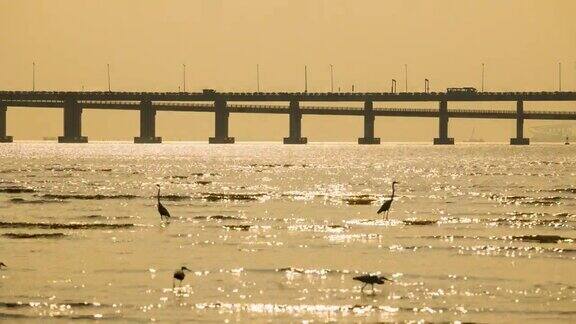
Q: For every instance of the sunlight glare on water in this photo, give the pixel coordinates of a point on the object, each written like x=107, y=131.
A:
x=477, y=233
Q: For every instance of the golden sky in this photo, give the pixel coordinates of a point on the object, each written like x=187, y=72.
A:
x=221, y=41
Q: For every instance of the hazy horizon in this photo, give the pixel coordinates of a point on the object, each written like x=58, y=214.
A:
x=368, y=43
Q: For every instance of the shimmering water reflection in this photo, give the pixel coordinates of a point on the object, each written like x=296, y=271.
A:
x=477, y=233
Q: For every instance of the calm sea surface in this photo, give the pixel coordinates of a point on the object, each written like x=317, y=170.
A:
x=477, y=233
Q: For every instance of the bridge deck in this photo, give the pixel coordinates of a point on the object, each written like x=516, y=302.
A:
x=308, y=110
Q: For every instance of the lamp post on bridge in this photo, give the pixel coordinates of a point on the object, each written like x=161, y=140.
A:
x=559, y=76
x=482, y=77
x=331, y=78
x=258, y=77
x=305, y=78
x=33, y=76
x=108, y=70
x=184, y=77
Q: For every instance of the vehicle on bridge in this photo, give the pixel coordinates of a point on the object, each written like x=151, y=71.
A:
x=208, y=91
x=462, y=90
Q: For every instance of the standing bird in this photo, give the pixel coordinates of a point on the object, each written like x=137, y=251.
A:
x=386, y=205
x=371, y=280
x=161, y=209
x=180, y=275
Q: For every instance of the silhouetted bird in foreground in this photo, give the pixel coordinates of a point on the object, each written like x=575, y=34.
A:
x=180, y=275
x=161, y=209
x=371, y=280
x=386, y=205
x=2, y=265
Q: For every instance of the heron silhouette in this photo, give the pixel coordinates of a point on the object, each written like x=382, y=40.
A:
x=164, y=214
x=179, y=275
x=371, y=280
x=387, y=203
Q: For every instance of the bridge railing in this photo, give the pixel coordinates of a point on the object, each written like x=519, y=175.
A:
x=256, y=107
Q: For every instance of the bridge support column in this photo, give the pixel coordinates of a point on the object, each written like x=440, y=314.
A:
x=147, y=124
x=72, y=123
x=443, y=138
x=369, y=125
x=3, y=137
x=295, y=136
x=519, y=140
x=221, y=124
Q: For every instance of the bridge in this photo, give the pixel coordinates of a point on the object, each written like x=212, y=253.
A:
x=148, y=103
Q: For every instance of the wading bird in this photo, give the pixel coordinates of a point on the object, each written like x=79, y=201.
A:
x=371, y=280
x=161, y=209
x=180, y=275
x=386, y=205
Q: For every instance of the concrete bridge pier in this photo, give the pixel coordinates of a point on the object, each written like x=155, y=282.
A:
x=369, y=125
x=443, y=138
x=221, y=124
x=295, y=136
x=147, y=124
x=72, y=123
x=3, y=137
x=519, y=140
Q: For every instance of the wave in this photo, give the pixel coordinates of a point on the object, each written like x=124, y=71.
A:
x=10, y=171
x=13, y=305
x=37, y=304
x=322, y=272
x=39, y=201
x=88, y=197
x=176, y=177
x=232, y=196
x=34, y=236
x=274, y=165
x=525, y=200
x=74, y=226
x=317, y=228
x=542, y=238
x=201, y=174
x=206, y=196
x=14, y=316
x=219, y=217
x=529, y=222
x=175, y=197
x=564, y=215
x=538, y=238
x=16, y=189
x=64, y=169
x=237, y=227
x=359, y=200
x=420, y=222
x=569, y=190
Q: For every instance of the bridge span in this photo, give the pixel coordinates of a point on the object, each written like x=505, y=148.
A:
x=148, y=103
